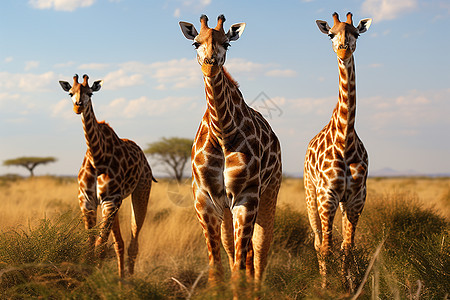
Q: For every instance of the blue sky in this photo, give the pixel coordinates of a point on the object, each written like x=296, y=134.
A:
x=153, y=85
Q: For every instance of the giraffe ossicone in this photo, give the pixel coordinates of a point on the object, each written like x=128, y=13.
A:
x=236, y=164
x=112, y=169
x=336, y=162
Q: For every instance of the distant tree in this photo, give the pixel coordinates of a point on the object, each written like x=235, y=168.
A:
x=172, y=152
x=29, y=162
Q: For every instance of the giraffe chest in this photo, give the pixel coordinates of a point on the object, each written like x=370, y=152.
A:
x=341, y=167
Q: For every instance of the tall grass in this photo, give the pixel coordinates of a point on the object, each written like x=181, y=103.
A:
x=43, y=246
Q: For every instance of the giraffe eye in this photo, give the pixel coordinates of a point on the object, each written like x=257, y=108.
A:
x=331, y=36
x=70, y=94
x=196, y=45
x=226, y=45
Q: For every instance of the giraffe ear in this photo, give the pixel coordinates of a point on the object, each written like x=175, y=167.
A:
x=65, y=85
x=364, y=25
x=96, y=85
x=323, y=26
x=235, y=31
x=188, y=30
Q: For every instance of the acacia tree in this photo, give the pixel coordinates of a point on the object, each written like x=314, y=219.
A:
x=173, y=153
x=29, y=162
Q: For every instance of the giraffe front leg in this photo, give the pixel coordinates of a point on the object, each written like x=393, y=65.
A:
x=263, y=231
x=327, y=211
x=88, y=209
x=109, y=207
x=210, y=223
x=244, y=218
x=350, y=217
x=313, y=212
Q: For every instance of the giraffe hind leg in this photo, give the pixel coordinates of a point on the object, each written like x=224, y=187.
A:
x=139, y=203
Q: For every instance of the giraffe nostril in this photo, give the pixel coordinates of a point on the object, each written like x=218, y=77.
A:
x=210, y=61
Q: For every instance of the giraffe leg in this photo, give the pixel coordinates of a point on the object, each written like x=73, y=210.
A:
x=244, y=218
x=118, y=245
x=89, y=213
x=87, y=199
x=350, y=219
x=313, y=212
x=109, y=211
x=139, y=203
x=327, y=212
x=211, y=224
x=227, y=236
x=263, y=232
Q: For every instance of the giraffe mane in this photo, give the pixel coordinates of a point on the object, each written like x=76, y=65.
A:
x=227, y=75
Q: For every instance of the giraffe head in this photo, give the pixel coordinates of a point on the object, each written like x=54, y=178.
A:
x=344, y=34
x=211, y=43
x=80, y=93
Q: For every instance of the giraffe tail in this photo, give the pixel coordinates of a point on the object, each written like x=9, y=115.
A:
x=153, y=178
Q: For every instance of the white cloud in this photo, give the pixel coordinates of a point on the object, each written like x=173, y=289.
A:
x=195, y=6
x=27, y=82
x=29, y=65
x=387, y=9
x=177, y=73
x=240, y=65
x=62, y=5
x=7, y=98
x=62, y=109
x=308, y=105
x=120, y=78
x=411, y=112
x=143, y=106
x=9, y=59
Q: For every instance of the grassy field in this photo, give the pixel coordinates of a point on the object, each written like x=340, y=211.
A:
x=42, y=245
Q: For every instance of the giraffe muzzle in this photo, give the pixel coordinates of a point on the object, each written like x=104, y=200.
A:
x=210, y=68
x=210, y=61
x=78, y=107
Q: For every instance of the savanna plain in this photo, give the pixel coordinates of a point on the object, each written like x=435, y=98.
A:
x=402, y=245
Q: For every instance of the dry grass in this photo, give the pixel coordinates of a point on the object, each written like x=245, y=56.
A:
x=172, y=244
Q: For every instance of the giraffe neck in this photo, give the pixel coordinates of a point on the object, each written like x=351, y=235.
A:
x=343, y=119
x=93, y=135
x=223, y=97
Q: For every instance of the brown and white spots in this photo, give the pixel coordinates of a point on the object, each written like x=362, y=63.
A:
x=236, y=163
x=336, y=162
x=112, y=169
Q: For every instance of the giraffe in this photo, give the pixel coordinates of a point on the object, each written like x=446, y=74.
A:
x=236, y=164
x=112, y=169
x=336, y=161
